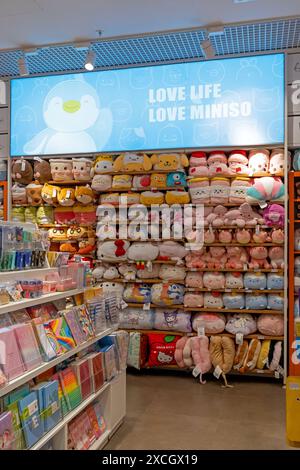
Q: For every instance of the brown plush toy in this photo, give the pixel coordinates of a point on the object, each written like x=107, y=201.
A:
x=34, y=194
x=22, y=171
x=42, y=171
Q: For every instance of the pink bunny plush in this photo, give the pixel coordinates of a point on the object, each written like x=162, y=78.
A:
x=200, y=354
x=216, y=216
x=258, y=259
x=218, y=257
x=234, y=218
x=251, y=217
x=276, y=255
x=237, y=257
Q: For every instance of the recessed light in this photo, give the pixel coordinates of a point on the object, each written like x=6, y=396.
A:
x=243, y=1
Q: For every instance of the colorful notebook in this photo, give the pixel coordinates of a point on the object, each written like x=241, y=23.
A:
x=85, y=321
x=53, y=340
x=93, y=420
x=21, y=316
x=74, y=325
x=52, y=413
x=88, y=429
x=30, y=419
x=109, y=362
x=28, y=345
x=39, y=391
x=83, y=375
x=10, y=357
x=47, y=346
x=100, y=417
x=15, y=395
x=63, y=404
x=5, y=320
x=70, y=387
x=17, y=427
x=7, y=437
x=63, y=334
x=96, y=368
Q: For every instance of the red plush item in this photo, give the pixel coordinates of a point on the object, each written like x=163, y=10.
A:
x=162, y=349
x=120, y=248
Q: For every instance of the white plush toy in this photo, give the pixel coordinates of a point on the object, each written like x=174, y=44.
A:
x=128, y=271
x=144, y=251
x=170, y=272
x=113, y=250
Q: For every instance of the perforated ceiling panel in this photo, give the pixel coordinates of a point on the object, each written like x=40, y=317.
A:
x=157, y=48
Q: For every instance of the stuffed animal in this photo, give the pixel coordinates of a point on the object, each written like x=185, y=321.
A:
x=177, y=197
x=171, y=250
x=68, y=248
x=258, y=259
x=255, y=281
x=233, y=300
x=21, y=171
x=84, y=214
x=150, y=271
x=169, y=272
x=261, y=237
x=274, y=360
x=128, y=271
x=210, y=236
x=198, y=159
x=166, y=294
x=251, y=217
x=194, y=280
x=240, y=355
x=141, y=182
x=121, y=182
x=275, y=281
x=66, y=197
x=136, y=318
x=213, y=323
x=213, y=300
x=219, y=190
x=84, y=194
x=259, y=162
x=162, y=349
x=277, y=162
x=101, y=182
x=276, y=255
x=217, y=257
x=192, y=300
x=243, y=323
x=130, y=198
x=169, y=161
x=265, y=189
x=180, y=345
x=132, y=162
x=30, y=214
x=18, y=194
x=102, y=164
x=238, y=162
x=277, y=236
x=110, y=273
x=237, y=257
x=61, y=170
x=216, y=218
x=18, y=214
x=275, y=302
x=217, y=164
x=251, y=357
x=109, y=287
x=82, y=169
x=234, y=218
x=50, y=194
x=41, y=170
x=256, y=301
x=213, y=280
x=137, y=293
x=176, y=179
x=57, y=233
x=199, y=190
x=262, y=360
x=201, y=355
x=75, y=232
x=234, y=280
x=142, y=252
x=45, y=215
x=225, y=236
x=64, y=215
x=222, y=352
x=113, y=250
x=158, y=180
x=152, y=197
x=196, y=259
x=274, y=215
x=296, y=160
x=243, y=236
x=173, y=320
x=238, y=190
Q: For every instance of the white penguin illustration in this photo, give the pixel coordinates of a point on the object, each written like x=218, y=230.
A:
x=70, y=109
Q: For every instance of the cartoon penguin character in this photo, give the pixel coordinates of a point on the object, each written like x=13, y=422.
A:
x=70, y=109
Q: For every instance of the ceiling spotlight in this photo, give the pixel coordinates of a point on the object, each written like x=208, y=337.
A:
x=23, y=69
x=90, y=60
x=207, y=49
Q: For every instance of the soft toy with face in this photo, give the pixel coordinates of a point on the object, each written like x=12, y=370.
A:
x=115, y=288
x=62, y=170
x=45, y=215
x=42, y=171
x=256, y=301
x=255, y=281
x=66, y=197
x=57, y=233
x=213, y=300
x=34, y=194
x=233, y=300
x=128, y=271
x=158, y=180
x=194, y=280
x=275, y=302
x=275, y=281
x=102, y=164
x=176, y=178
x=137, y=293
x=132, y=162
x=213, y=323
x=50, y=194
x=167, y=294
x=113, y=250
x=277, y=162
x=258, y=161
x=101, y=182
x=173, y=320
x=234, y=280
x=143, y=251
x=82, y=169
x=18, y=193
x=73, y=233
x=214, y=280
x=122, y=182
x=22, y=171
x=141, y=181
x=169, y=272
x=243, y=323
x=171, y=250
x=84, y=194
x=169, y=161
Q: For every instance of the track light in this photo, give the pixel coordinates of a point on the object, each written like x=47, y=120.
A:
x=207, y=49
x=23, y=69
x=90, y=60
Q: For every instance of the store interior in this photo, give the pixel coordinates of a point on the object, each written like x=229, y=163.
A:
x=149, y=225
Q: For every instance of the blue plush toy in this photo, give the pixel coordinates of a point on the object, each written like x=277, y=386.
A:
x=234, y=301
x=275, y=281
x=176, y=178
x=256, y=301
x=296, y=160
x=275, y=302
x=255, y=281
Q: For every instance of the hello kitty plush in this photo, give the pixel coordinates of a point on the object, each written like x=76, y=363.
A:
x=233, y=300
x=194, y=279
x=259, y=162
x=128, y=271
x=218, y=257
x=276, y=255
x=255, y=281
x=277, y=162
x=256, y=301
x=234, y=280
x=213, y=280
x=275, y=302
x=237, y=257
x=217, y=164
x=258, y=259
x=213, y=300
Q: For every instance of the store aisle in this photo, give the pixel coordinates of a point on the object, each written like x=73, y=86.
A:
x=172, y=411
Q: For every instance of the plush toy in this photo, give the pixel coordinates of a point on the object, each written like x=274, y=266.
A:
x=21, y=171
x=169, y=161
x=84, y=194
x=219, y=190
x=213, y=280
x=251, y=356
x=180, y=345
x=274, y=360
x=177, y=197
x=271, y=325
x=243, y=323
x=137, y=293
x=114, y=288
x=296, y=160
x=251, y=217
x=213, y=300
x=213, y=323
x=18, y=214
x=158, y=180
x=217, y=257
x=237, y=257
x=234, y=280
x=113, y=250
x=61, y=170
x=275, y=281
x=152, y=197
x=267, y=188
x=194, y=280
x=262, y=360
x=149, y=272
x=217, y=164
x=274, y=215
x=165, y=294
x=75, y=232
x=82, y=169
x=277, y=162
x=275, y=302
x=130, y=198
x=85, y=247
x=128, y=271
x=64, y=215
x=50, y=194
x=198, y=159
x=57, y=233
x=101, y=182
x=258, y=259
x=162, y=349
x=259, y=162
x=197, y=259
x=256, y=301
x=276, y=255
x=45, y=215
x=238, y=190
x=233, y=300
x=222, y=352
x=66, y=197
x=210, y=236
x=18, y=193
x=261, y=237
x=199, y=190
x=193, y=300
x=201, y=355
x=132, y=162
x=169, y=272
x=243, y=236
x=255, y=281
x=173, y=320
x=102, y=164
x=84, y=214
x=30, y=214
x=176, y=179
x=238, y=162
x=68, y=248
x=234, y=218
x=216, y=218
x=141, y=182
x=142, y=252
x=277, y=236
x=41, y=170
x=225, y=236
x=240, y=355
x=121, y=182
x=171, y=250
x=136, y=318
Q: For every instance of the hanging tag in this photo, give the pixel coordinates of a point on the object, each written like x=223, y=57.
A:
x=211, y=230
x=217, y=372
x=123, y=304
x=54, y=192
x=277, y=375
x=54, y=407
x=196, y=371
x=37, y=159
x=280, y=370
x=245, y=267
x=262, y=204
x=149, y=266
x=239, y=337
x=23, y=165
x=201, y=331
x=146, y=306
x=227, y=290
x=68, y=194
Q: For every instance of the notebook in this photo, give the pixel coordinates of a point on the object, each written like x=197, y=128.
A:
x=83, y=375
x=63, y=334
x=87, y=429
x=28, y=345
x=48, y=351
x=70, y=387
x=53, y=339
x=7, y=437
x=39, y=391
x=74, y=325
x=93, y=421
x=10, y=357
x=30, y=418
x=85, y=321
x=5, y=320
x=96, y=368
x=15, y=395
x=21, y=316
x=100, y=417
x=52, y=413
x=17, y=427
x=63, y=404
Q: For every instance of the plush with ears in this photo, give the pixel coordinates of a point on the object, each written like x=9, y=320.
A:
x=261, y=237
x=234, y=218
x=110, y=273
x=173, y=320
x=217, y=164
x=50, y=193
x=158, y=180
x=137, y=293
x=243, y=236
x=216, y=218
x=113, y=250
x=165, y=294
x=243, y=323
x=213, y=300
x=258, y=162
x=169, y=161
x=132, y=162
x=21, y=171
x=18, y=193
x=277, y=162
x=222, y=352
x=84, y=194
x=201, y=355
x=192, y=299
x=136, y=318
x=176, y=178
x=237, y=257
x=34, y=194
x=234, y=280
x=102, y=164
x=259, y=256
x=238, y=162
x=270, y=325
x=212, y=323
x=42, y=171
x=251, y=356
x=196, y=259
x=276, y=255
x=214, y=280
x=225, y=236
x=251, y=217
x=66, y=197
x=217, y=257
x=128, y=271
x=82, y=168
x=61, y=170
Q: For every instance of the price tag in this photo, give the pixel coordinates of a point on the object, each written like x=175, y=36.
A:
x=239, y=337
x=196, y=371
x=146, y=306
x=201, y=331
x=257, y=229
x=228, y=290
x=123, y=305
x=23, y=165
x=35, y=422
x=280, y=370
x=260, y=337
x=54, y=192
x=217, y=372
x=277, y=375
x=32, y=408
x=54, y=407
x=68, y=193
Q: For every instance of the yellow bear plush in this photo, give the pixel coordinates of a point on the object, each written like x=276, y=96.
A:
x=102, y=164
x=158, y=180
x=132, y=162
x=169, y=161
x=177, y=197
x=50, y=193
x=66, y=197
x=121, y=182
x=84, y=194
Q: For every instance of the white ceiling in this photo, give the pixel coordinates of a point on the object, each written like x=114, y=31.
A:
x=37, y=22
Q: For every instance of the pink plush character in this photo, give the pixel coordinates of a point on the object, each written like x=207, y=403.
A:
x=238, y=162
x=251, y=217
x=238, y=190
x=196, y=259
x=274, y=215
x=225, y=236
x=217, y=164
x=234, y=218
x=178, y=355
x=193, y=300
x=194, y=280
x=198, y=159
x=213, y=280
x=277, y=236
x=277, y=162
x=237, y=257
x=259, y=162
x=234, y=280
x=261, y=236
x=276, y=255
x=219, y=190
x=218, y=257
x=243, y=236
x=199, y=190
x=201, y=355
x=210, y=236
x=216, y=216
x=258, y=259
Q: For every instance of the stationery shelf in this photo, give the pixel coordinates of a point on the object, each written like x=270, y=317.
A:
x=25, y=274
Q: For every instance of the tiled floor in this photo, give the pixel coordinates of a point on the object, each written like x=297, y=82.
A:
x=167, y=410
